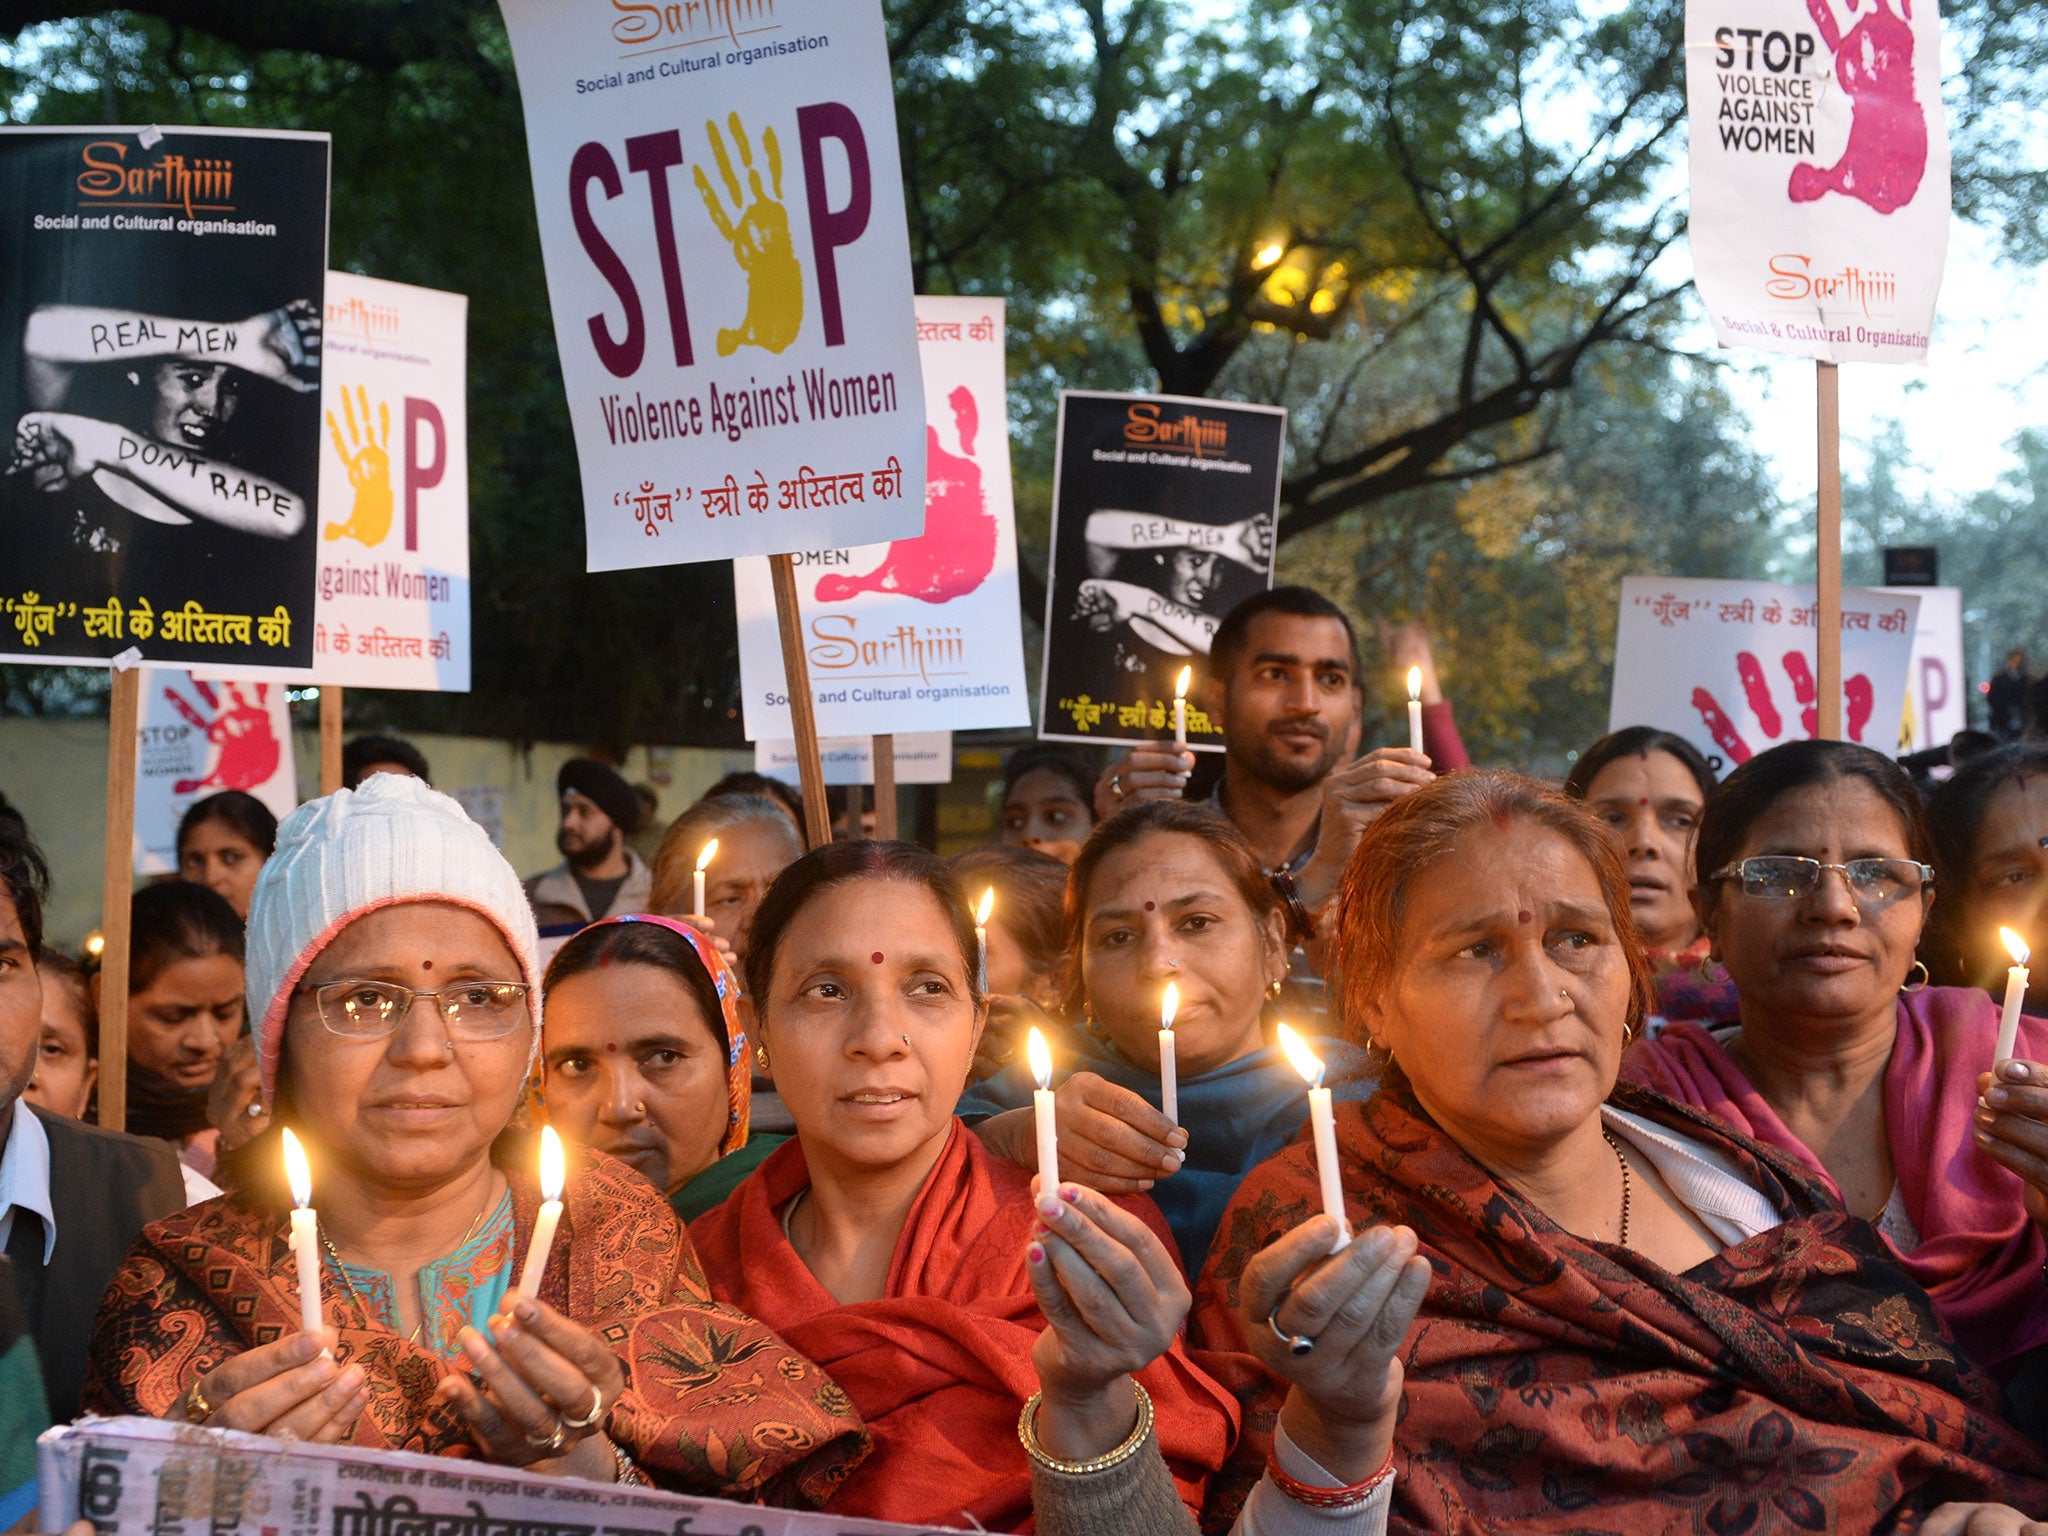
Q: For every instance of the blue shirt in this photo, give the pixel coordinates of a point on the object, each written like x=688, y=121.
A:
x=1236, y=1117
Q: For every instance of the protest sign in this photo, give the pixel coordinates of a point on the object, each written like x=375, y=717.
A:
x=927, y=628
x=1937, y=688
x=171, y=1479
x=161, y=302
x=1729, y=666
x=922, y=757
x=1820, y=174
x=1164, y=518
x=722, y=221
x=197, y=737
x=394, y=485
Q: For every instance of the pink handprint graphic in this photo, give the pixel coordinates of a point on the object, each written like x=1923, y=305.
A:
x=957, y=549
x=1887, y=150
x=1858, y=694
x=246, y=750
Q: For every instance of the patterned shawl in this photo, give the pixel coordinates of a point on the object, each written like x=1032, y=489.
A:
x=744, y=1416
x=1796, y=1381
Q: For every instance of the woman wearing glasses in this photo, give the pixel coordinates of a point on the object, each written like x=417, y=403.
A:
x=392, y=969
x=1814, y=889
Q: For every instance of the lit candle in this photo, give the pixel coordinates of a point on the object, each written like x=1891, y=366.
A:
x=550, y=1217
x=1169, y=1084
x=2015, y=996
x=1325, y=1127
x=305, y=1243
x=1042, y=1109
x=703, y=863
x=1180, y=709
x=988, y=901
x=1415, y=709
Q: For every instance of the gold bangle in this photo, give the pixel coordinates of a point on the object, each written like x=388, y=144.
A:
x=1027, y=1431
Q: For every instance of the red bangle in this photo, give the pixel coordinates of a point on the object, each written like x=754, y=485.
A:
x=1328, y=1498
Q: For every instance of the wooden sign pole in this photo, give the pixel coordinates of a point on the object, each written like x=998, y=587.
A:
x=330, y=739
x=117, y=887
x=803, y=714
x=885, y=786
x=1828, y=554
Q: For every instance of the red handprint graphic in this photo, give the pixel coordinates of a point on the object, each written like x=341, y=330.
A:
x=1887, y=150
x=246, y=749
x=957, y=549
x=1858, y=693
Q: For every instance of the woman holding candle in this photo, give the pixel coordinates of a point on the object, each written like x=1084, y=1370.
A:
x=1048, y=800
x=1813, y=892
x=755, y=842
x=1990, y=828
x=1636, y=1318
x=1027, y=932
x=392, y=965
x=908, y=1262
x=1169, y=892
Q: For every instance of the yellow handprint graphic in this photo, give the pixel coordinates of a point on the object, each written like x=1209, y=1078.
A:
x=368, y=457
x=760, y=243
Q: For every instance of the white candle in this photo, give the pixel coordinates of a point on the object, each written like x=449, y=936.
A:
x=703, y=863
x=988, y=901
x=1042, y=1110
x=550, y=1217
x=1324, y=1126
x=305, y=1242
x=1180, y=709
x=2015, y=997
x=1415, y=709
x=1169, y=1081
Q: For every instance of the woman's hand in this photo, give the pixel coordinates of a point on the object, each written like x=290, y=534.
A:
x=1345, y=1393
x=291, y=1390
x=1157, y=772
x=1110, y=1139
x=2012, y=1128
x=234, y=1103
x=1980, y=1520
x=545, y=1371
x=1113, y=1299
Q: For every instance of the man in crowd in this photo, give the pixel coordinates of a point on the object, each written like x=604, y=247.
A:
x=602, y=874
x=1283, y=678
x=2006, y=697
x=368, y=754
x=72, y=1196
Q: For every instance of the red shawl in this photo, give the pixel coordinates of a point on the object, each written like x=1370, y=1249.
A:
x=1980, y=1254
x=940, y=1369
x=1797, y=1381
x=217, y=1278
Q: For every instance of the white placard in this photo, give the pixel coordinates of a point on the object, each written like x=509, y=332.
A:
x=922, y=757
x=1820, y=174
x=1729, y=665
x=899, y=635
x=721, y=216
x=393, y=606
x=197, y=737
x=1937, y=686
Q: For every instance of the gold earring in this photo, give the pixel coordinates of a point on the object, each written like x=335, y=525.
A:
x=761, y=1060
x=1925, y=977
x=1278, y=983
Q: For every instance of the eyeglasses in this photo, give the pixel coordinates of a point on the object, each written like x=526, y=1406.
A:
x=370, y=1010
x=1785, y=877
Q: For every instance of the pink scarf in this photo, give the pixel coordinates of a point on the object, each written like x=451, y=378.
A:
x=1980, y=1254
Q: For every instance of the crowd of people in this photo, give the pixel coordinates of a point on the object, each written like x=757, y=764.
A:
x=1677, y=1183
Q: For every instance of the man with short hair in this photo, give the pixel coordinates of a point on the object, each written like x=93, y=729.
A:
x=368, y=754
x=73, y=1197
x=602, y=875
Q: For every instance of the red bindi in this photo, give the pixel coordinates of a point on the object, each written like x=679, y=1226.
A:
x=876, y=957
x=426, y=965
x=1644, y=801
x=1525, y=917
x=611, y=1046
x=1149, y=906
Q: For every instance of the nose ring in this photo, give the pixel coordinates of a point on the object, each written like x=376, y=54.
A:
x=1173, y=965
x=639, y=1108
x=906, y=1039
x=1564, y=995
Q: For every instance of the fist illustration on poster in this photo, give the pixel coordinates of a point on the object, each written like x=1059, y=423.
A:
x=1857, y=693
x=758, y=233
x=246, y=750
x=367, y=455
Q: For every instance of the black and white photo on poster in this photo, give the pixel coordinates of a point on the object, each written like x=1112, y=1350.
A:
x=160, y=297
x=1164, y=517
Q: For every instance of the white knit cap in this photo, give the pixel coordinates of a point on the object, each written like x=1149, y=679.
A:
x=393, y=840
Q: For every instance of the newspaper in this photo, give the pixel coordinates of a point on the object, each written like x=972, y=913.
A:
x=151, y=1477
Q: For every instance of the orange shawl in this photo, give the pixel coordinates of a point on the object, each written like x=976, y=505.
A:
x=941, y=1367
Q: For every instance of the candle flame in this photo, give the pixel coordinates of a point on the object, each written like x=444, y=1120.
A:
x=2015, y=945
x=1169, y=1006
x=552, y=1173
x=1305, y=1061
x=1415, y=682
x=1041, y=1058
x=1180, y=687
x=296, y=1173
x=710, y=852
x=981, y=912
